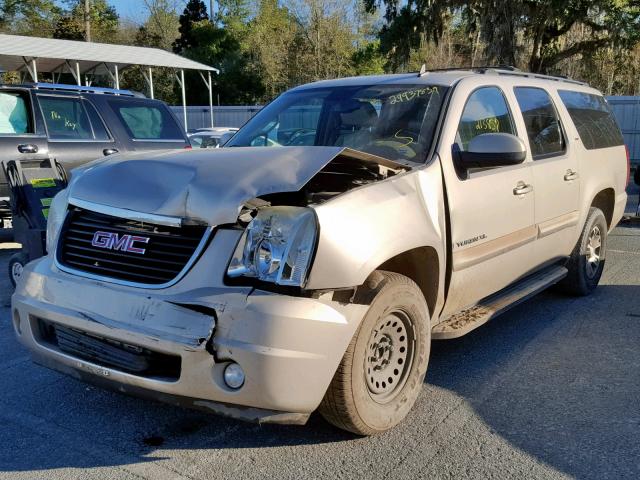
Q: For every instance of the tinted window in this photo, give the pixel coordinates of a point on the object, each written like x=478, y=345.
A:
x=542, y=122
x=66, y=118
x=392, y=121
x=99, y=130
x=14, y=115
x=486, y=111
x=593, y=119
x=145, y=121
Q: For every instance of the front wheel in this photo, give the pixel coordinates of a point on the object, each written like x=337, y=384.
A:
x=586, y=262
x=382, y=371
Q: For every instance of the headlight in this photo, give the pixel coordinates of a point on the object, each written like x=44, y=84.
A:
x=277, y=246
x=55, y=218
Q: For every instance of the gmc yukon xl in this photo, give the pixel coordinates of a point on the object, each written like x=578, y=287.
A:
x=310, y=265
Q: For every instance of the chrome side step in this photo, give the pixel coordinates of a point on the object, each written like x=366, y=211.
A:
x=463, y=322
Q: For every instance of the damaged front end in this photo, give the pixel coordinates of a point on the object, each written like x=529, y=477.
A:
x=168, y=322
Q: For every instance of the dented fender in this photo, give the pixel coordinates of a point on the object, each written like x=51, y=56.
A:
x=363, y=228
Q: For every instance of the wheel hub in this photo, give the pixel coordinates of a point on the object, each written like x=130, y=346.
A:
x=16, y=271
x=388, y=355
x=593, y=251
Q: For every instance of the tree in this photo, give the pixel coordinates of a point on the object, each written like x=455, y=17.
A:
x=102, y=16
x=28, y=17
x=194, y=12
x=534, y=29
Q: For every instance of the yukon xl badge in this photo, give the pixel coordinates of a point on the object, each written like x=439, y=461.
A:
x=113, y=241
x=475, y=239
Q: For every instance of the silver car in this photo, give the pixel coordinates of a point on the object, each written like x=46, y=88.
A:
x=384, y=212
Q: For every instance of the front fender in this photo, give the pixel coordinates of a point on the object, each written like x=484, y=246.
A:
x=363, y=228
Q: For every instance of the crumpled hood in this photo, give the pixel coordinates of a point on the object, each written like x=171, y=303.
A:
x=204, y=185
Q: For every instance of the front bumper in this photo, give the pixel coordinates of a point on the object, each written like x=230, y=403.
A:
x=289, y=347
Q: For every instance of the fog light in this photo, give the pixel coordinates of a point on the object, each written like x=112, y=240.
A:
x=234, y=375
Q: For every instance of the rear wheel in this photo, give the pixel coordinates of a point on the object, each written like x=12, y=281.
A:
x=587, y=259
x=383, y=369
x=16, y=266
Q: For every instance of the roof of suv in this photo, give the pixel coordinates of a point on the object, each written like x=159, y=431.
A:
x=445, y=77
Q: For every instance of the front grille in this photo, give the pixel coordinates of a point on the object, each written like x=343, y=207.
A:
x=110, y=353
x=167, y=252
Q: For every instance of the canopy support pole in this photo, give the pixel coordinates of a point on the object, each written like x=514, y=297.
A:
x=115, y=67
x=184, y=97
x=149, y=79
x=32, y=68
x=75, y=72
x=207, y=81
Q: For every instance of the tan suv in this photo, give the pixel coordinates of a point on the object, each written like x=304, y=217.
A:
x=266, y=283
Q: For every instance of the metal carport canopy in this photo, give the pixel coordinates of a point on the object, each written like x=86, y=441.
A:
x=34, y=54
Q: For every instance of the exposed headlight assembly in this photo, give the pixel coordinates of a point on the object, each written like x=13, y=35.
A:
x=277, y=246
x=55, y=218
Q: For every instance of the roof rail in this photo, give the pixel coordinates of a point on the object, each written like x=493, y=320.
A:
x=506, y=70
x=81, y=88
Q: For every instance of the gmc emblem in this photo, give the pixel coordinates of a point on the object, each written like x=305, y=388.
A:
x=113, y=241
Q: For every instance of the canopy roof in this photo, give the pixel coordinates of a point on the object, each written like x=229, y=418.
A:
x=52, y=54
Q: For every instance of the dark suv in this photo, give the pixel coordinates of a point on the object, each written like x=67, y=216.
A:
x=76, y=124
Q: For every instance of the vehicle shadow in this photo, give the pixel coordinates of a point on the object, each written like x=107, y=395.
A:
x=558, y=378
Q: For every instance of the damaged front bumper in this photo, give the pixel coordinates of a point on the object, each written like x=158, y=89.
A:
x=289, y=347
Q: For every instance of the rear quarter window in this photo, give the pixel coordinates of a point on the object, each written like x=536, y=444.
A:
x=593, y=119
x=145, y=121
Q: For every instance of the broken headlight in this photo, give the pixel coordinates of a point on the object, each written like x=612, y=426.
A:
x=277, y=246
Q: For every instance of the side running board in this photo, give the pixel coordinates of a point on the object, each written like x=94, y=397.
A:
x=463, y=322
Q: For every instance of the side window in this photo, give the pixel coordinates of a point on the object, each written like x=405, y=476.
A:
x=486, y=111
x=65, y=118
x=541, y=119
x=146, y=120
x=99, y=130
x=14, y=114
x=593, y=119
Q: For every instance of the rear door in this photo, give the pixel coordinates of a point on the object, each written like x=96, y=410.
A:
x=21, y=135
x=75, y=130
x=555, y=173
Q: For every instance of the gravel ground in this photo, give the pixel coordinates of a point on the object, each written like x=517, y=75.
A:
x=549, y=390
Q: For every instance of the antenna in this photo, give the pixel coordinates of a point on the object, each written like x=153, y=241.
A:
x=423, y=70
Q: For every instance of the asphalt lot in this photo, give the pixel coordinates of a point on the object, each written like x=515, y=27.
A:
x=549, y=390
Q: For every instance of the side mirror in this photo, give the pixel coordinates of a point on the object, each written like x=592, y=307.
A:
x=493, y=150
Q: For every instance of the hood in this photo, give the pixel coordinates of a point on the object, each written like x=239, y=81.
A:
x=206, y=186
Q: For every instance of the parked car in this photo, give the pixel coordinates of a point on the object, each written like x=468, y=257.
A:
x=276, y=281
x=211, y=137
x=76, y=124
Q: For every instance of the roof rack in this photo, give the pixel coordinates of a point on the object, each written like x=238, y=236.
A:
x=505, y=70
x=81, y=88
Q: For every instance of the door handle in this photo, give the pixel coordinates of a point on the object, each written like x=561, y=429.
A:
x=109, y=151
x=28, y=148
x=570, y=175
x=522, y=189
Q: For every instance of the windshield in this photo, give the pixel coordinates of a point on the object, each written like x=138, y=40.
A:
x=392, y=121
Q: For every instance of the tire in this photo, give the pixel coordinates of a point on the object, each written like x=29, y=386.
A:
x=16, y=264
x=586, y=262
x=371, y=393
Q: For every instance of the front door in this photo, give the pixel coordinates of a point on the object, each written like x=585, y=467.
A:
x=491, y=209
x=76, y=132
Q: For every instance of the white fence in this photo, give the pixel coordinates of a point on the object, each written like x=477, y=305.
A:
x=626, y=110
